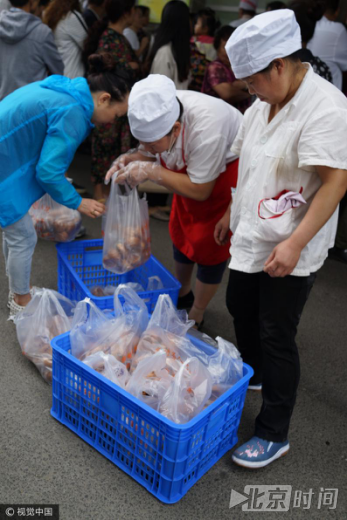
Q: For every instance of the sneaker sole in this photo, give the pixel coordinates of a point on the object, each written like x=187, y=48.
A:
x=255, y=465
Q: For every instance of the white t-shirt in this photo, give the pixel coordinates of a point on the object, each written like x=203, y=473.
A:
x=210, y=127
x=240, y=21
x=69, y=36
x=165, y=63
x=132, y=38
x=329, y=43
x=281, y=155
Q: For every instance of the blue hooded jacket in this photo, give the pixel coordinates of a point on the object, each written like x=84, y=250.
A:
x=41, y=127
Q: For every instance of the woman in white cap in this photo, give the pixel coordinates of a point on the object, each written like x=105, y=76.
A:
x=188, y=136
x=292, y=175
x=247, y=9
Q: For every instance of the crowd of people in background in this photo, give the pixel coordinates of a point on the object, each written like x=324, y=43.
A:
x=43, y=37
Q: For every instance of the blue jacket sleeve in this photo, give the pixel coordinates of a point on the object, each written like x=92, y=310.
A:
x=67, y=129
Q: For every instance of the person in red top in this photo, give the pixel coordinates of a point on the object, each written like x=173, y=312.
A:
x=187, y=136
x=219, y=80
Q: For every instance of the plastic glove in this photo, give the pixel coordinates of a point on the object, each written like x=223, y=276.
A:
x=137, y=172
x=119, y=163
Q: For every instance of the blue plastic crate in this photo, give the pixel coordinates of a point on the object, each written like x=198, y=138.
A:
x=166, y=458
x=80, y=268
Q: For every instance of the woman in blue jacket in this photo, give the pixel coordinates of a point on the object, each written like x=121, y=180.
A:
x=41, y=127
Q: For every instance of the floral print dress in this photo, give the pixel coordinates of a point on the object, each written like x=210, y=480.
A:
x=113, y=139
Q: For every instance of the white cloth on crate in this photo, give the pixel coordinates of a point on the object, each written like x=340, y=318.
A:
x=153, y=108
x=210, y=127
x=329, y=43
x=283, y=155
x=253, y=45
x=69, y=36
x=165, y=63
x=132, y=38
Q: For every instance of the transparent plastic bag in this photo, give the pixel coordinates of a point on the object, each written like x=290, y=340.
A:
x=53, y=221
x=189, y=392
x=225, y=365
x=127, y=237
x=166, y=330
x=108, y=366
x=93, y=331
x=46, y=316
x=150, y=380
x=154, y=284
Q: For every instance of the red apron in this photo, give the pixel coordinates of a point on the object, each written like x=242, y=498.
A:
x=192, y=222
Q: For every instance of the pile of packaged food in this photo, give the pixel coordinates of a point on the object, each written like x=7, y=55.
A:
x=154, y=360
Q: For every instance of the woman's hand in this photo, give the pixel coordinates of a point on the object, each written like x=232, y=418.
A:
x=92, y=208
x=137, y=172
x=283, y=259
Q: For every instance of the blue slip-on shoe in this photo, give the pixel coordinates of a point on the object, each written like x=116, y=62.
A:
x=256, y=388
x=257, y=453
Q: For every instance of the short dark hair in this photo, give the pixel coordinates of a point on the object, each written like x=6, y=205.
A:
x=274, y=6
x=223, y=34
x=19, y=3
x=180, y=115
x=250, y=12
x=144, y=9
x=293, y=58
x=332, y=5
x=208, y=17
x=96, y=2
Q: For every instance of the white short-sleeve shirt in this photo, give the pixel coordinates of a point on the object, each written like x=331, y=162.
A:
x=69, y=36
x=132, y=38
x=210, y=126
x=281, y=155
x=329, y=43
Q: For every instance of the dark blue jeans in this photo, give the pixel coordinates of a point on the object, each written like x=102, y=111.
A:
x=266, y=314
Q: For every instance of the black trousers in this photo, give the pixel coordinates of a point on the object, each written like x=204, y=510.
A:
x=266, y=314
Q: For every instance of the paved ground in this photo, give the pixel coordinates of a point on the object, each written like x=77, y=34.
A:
x=44, y=462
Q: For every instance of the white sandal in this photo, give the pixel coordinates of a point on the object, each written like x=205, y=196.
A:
x=15, y=309
x=11, y=295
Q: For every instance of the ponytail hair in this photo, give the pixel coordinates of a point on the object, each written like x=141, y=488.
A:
x=105, y=76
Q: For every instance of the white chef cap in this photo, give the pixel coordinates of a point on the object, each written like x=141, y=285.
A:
x=254, y=44
x=249, y=5
x=153, y=108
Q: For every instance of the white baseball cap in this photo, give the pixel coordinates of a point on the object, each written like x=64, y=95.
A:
x=153, y=108
x=254, y=44
x=249, y=5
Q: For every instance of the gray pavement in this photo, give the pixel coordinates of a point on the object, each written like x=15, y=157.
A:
x=44, y=462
